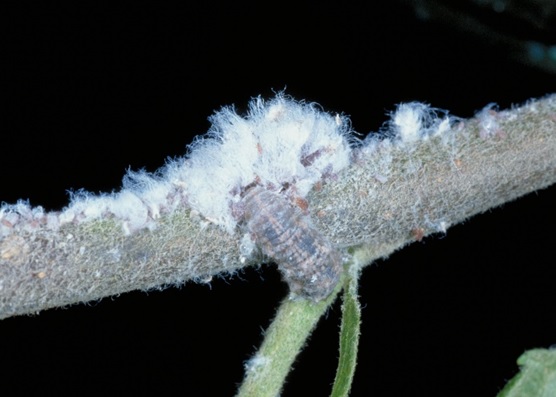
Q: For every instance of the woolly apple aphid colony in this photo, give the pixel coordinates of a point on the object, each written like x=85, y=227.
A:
x=253, y=170
x=248, y=175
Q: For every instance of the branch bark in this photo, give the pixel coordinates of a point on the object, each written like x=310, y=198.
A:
x=390, y=196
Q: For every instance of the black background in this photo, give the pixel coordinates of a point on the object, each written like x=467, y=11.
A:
x=89, y=91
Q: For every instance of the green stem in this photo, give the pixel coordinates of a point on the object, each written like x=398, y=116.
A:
x=537, y=377
x=266, y=372
x=349, y=336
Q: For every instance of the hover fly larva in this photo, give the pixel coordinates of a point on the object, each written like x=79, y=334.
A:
x=307, y=260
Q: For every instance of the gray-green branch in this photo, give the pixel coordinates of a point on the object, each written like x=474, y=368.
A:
x=387, y=198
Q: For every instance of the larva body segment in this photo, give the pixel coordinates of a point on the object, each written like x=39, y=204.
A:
x=307, y=260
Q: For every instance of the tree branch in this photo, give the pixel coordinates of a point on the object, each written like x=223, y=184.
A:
x=391, y=195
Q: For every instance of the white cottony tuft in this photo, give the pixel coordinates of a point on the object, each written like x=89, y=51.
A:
x=408, y=120
x=413, y=121
x=282, y=145
x=488, y=121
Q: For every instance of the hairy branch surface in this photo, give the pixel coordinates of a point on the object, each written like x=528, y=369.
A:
x=388, y=197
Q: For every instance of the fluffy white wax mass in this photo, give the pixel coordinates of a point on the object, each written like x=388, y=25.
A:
x=282, y=145
x=413, y=121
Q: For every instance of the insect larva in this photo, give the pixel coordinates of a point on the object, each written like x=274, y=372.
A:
x=307, y=260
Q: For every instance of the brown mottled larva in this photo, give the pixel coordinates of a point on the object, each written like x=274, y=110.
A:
x=307, y=260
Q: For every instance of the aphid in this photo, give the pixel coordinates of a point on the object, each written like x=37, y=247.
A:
x=307, y=260
x=418, y=233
